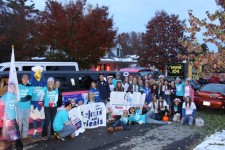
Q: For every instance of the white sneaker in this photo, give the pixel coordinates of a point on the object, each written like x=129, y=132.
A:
x=169, y=122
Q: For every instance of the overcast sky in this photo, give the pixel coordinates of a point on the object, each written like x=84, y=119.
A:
x=133, y=15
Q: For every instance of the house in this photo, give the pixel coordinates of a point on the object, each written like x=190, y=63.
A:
x=114, y=60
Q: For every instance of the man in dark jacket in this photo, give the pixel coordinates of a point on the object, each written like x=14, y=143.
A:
x=103, y=87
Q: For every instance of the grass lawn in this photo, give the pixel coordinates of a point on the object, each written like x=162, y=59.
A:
x=214, y=120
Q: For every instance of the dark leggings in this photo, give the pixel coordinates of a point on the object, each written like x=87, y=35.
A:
x=50, y=113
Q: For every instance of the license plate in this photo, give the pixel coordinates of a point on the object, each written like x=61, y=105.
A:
x=206, y=103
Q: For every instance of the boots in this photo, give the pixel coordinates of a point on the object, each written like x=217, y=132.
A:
x=120, y=128
x=110, y=130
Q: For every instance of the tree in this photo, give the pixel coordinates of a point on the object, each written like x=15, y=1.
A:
x=130, y=42
x=160, y=43
x=18, y=29
x=78, y=35
x=212, y=32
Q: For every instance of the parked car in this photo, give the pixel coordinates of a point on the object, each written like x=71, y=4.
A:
x=211, y=96
x=196, y=86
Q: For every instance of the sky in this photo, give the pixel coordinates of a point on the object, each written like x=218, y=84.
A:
x=133, y=15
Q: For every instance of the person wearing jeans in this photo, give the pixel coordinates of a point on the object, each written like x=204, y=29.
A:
x=61, y=125
x=23, y=107
x=149, y=117
x=121, y=124
x=188, y=111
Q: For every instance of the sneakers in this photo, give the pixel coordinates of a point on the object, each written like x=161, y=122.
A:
x=169, y=122
x=45, y=138
x=26, y=140
x=35, y=134
x=58, y=136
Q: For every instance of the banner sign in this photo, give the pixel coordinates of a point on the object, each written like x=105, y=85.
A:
x=76, y=119
x=120, y=101
x=176, y=70
x=77, y=97
x=93, y=115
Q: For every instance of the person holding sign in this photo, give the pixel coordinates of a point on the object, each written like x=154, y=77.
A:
x=62, y=126
x=11, y=129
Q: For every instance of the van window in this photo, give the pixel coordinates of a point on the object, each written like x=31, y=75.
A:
x=3, y=85
x=7, y=69
x=60, y=68
x=27, y=68
x=64, y=85
x=85, y=81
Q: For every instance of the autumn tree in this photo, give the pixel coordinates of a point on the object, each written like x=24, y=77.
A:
x=18, y=29
x=76, y=33
x=130, y=42
x=212, y=29
x=160, y=43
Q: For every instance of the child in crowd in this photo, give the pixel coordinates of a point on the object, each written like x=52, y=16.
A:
x=188, y=111
x=179, y=89
x=188, y=90
x=154, y=90
x=140, y=84
x=121, y=124
x=166, y=92
x=153, y=105
x=146, y=89
x=162, y=107
x=94, y=89
x=160, y=92
x=176, y=110
x=172, y=93
x=111, y=86
x=91, y=98
x=135, y=116
x=119, y=87
x=126, y=83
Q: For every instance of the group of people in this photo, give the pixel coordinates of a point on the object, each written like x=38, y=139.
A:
x=165, y=102
x=39, y=104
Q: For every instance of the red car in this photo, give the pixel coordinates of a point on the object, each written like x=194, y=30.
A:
x=211, y=96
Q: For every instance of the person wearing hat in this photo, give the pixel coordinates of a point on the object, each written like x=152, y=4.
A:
x=50, y=94
x=104, y=90
x=179, y=89
x=61, y=124
x=118, y=78
x=176, y=110
x=161, y=78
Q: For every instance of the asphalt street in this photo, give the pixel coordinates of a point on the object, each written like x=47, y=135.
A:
x=148, y=136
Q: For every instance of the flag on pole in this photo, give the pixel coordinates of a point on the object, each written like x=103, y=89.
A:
x=10, y=130
x=13, y=75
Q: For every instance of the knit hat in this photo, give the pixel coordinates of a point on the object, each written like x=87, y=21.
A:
x=178, y=79
x=50, y=79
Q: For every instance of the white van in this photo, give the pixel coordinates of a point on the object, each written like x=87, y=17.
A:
x=48, y=66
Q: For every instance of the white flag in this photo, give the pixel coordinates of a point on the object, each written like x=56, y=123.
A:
x=13, y=75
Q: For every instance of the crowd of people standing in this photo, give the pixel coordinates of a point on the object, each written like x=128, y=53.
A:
x=166, y=101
